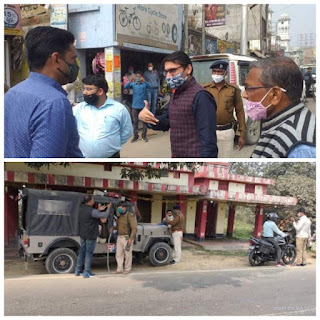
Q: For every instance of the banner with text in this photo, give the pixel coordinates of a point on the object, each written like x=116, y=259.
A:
x=215, y=15
x=151, y=25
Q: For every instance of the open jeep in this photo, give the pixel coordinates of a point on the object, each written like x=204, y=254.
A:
x=50, y=231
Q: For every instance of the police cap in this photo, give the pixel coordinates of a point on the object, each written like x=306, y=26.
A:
x=220, y=64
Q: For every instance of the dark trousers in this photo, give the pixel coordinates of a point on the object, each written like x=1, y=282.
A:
x=275, y=244
x=135, y=114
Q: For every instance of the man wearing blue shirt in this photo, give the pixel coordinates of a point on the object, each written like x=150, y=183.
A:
x=139, y=86
x=152, y=76
x=104, y=125
x=270, y=229
x=38, y=117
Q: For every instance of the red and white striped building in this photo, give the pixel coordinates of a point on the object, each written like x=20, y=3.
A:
x=205, y=196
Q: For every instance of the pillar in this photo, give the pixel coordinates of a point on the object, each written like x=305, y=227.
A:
x=259, y=221
x=113, y=72
x=231, y=216
x=190, y=217
x=221, y=212
x=201, y=228
x=181, y=202
x=156, y=208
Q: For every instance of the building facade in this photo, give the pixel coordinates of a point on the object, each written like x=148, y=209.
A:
x=205, y=196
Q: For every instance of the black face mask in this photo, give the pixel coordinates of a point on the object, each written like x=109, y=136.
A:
x=91, y=98
x=73, y=70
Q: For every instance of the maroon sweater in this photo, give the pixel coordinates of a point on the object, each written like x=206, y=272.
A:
x=185, y=142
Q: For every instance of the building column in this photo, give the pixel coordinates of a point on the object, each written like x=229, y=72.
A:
x=156, y=208
x=221, y=212
x=259, y=221
x=181, y=203
x=190, y=217
x=202, y=220
x=11, y=214
x=231, y=216
x=113, y=72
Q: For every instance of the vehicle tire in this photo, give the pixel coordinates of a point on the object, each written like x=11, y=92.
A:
x=289, y=255
x=62, y=260
x=160, y=254
x=255, y=259
x=253, y=131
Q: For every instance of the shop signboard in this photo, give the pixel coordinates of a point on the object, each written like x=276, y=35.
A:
x=12, y=20
x=147, y=24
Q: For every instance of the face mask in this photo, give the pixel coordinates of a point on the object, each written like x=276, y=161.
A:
x=73, y=70
x=137, y=79
x=150, y=68
x=217, y=78
x=120, y=210
x=130, y=71
x=176, y=81
x=255, y=110
x=170, y=218
x=91, y=98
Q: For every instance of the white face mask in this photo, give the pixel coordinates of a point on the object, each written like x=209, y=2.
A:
x=150, y=68
x=217, y=78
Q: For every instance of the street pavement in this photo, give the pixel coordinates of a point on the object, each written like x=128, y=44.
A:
x=159, y=144
x=268, y=291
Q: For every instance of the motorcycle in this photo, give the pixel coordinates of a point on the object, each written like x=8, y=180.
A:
x=261, y=251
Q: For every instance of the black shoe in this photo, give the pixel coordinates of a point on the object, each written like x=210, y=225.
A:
x=134, y=139
x=173, y=262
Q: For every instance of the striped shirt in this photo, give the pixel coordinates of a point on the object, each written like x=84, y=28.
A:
x=282, y=133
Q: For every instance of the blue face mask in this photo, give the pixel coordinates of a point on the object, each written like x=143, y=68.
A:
x=176, y=81
x=120, y=210
x=137, y=79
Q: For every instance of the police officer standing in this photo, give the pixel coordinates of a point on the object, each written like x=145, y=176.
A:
x=228, y=98
x=127, y=228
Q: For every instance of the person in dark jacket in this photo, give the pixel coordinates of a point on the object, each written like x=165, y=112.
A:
x=190, y=115
x=89, y=231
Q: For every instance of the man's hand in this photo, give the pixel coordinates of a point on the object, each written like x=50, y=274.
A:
x=109, y=205
x=292, y=219
x=129, y=242
x=241, y=142
x=102, y=207
x=147, y=116
x=142, y=79
x=111, y=229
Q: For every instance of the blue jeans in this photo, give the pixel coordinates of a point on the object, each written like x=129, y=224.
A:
x=152, y=95
x=85, y=255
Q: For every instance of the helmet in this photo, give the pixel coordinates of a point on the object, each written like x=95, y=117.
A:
x=272, y=216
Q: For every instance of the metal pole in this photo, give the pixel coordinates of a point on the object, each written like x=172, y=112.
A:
x=186, y=29
x=244, y=30
x=203, y=40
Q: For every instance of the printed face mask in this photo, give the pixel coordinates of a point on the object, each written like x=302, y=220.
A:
x=176, y=81
x=255, y=110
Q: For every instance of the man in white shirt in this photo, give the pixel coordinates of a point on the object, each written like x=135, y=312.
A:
x=303, y=233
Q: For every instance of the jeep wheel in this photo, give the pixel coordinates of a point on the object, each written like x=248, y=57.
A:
x=160, y=254
x=62, y=260
x=253, y=131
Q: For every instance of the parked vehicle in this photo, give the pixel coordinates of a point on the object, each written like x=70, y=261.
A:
x=50, y=231
x=314, y=95
x=261, y=251
x=237, y=73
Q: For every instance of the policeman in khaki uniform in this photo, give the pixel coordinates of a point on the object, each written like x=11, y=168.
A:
x=228, y=98
x=127, y=229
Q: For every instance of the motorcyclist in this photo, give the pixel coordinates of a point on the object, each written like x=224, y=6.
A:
x=269, y=230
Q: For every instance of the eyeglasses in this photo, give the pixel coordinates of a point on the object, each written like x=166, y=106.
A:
x=246, y=88
x=254, y=88
x=171, y=71
x=90, y=89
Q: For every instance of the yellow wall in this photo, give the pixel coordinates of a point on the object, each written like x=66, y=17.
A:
x=190, y=221
x=222, y=209
x=92, y=171
x=156, y=209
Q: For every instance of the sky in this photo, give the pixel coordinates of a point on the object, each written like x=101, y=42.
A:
x=303, y=18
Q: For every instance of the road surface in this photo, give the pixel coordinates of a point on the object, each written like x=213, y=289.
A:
x=232, y=292
x=159, y=144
